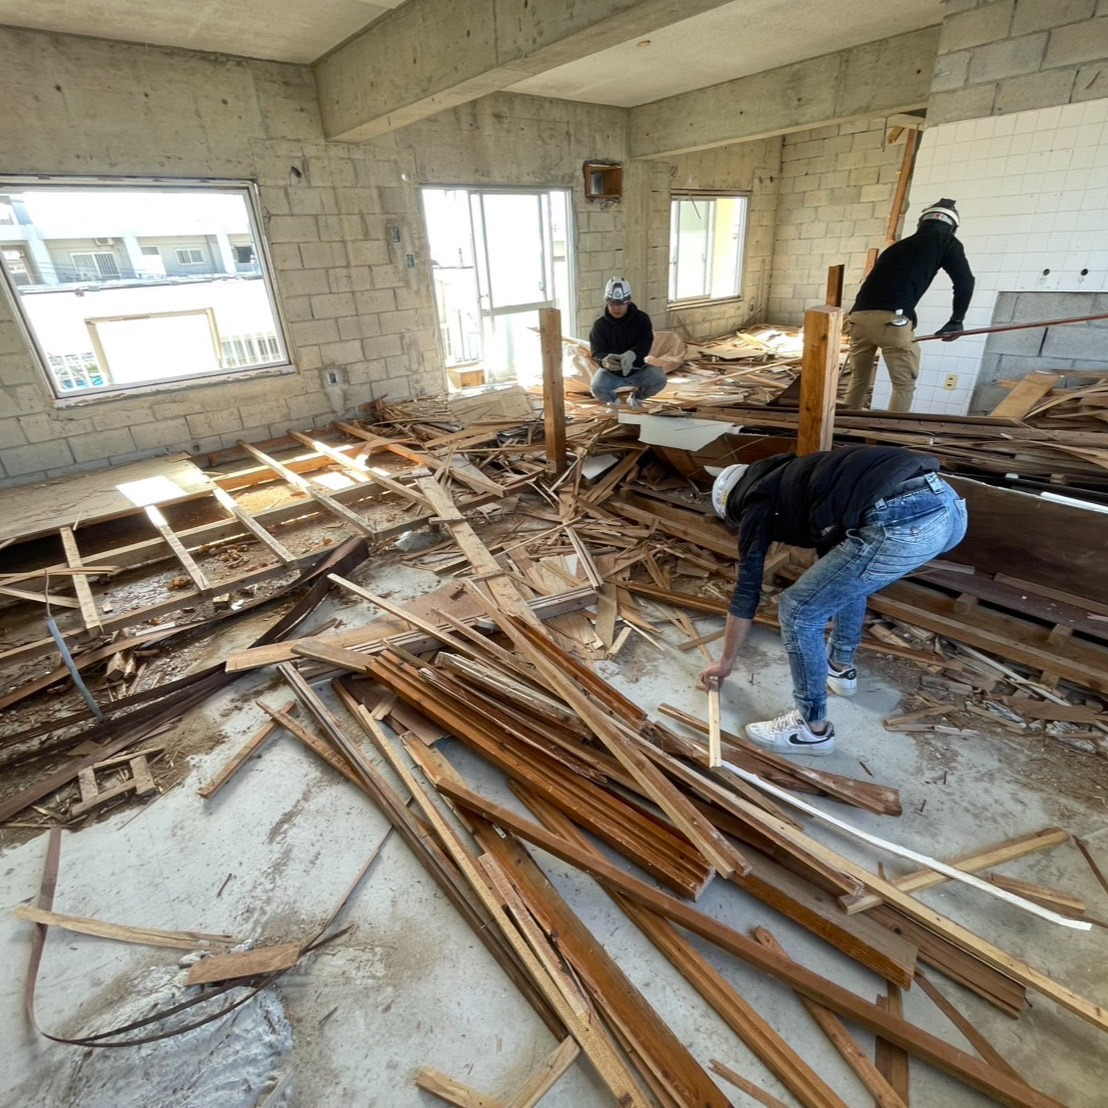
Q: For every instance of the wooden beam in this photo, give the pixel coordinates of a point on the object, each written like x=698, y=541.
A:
x=229, y=504
x=907, y=167
x=203, y=586
x=553, y=390
x=974, y=862
x=819, y=378
x=89, y=613
x=835, y=275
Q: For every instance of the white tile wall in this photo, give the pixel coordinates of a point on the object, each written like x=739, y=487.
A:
x=1032, y=189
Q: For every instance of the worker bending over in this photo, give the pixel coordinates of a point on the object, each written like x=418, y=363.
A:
x=884, y=313
x=620, y=341
x=873, y=514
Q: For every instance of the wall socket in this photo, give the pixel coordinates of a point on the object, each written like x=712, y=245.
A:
x=951, y=381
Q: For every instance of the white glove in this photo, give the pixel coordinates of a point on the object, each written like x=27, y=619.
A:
x=627, y=361
x=612, y=361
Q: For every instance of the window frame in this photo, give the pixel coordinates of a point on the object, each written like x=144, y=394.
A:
x=250, y=192
x=712, y=195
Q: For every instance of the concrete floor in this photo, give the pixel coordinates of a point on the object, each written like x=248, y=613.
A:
x=411, y=986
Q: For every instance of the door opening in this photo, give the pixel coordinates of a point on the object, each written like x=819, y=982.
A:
x=498, y=256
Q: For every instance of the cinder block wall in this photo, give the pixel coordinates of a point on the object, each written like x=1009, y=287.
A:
x=352, y=304
x=1002, y=56
x=836, y=194
x=749, y=167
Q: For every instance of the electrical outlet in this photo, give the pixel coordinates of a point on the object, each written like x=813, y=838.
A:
x=332, y=377
x=951, y=381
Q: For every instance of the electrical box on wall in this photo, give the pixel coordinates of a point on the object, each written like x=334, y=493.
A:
x=603, y=180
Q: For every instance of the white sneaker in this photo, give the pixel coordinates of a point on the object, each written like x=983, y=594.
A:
x=843, y=683
x=634, y=402
x=790, y=734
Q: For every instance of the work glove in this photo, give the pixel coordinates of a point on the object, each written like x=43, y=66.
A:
x=627, y=361
x=953, y=328
x=612, y=362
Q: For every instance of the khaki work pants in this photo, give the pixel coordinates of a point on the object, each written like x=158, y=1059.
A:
x=870, y=332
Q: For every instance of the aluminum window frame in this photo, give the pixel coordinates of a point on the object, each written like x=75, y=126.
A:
x=710, y=196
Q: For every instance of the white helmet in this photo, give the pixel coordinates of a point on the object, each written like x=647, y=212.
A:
x=723, y=486
x=617, y=290
x=943, y=210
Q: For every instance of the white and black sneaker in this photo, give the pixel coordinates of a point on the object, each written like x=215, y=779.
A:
x=790, y=734
x=843, y=682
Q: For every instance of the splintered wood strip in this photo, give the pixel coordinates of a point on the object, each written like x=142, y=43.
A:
x=603, y=488
x=432, y=1081
x=89, y=614
x=315, y=744
x=974, y=862
x=546, y=1076
x=229, y=504
x=246, y=963
x=929, y=1047
x=715, y=756
x=244, y=754
x=884, y=1095
x=747, y=1086
x=143, y=936
x=1062, y=902
x=583, y=1025
x=968, y=1029
x=359, y=523
x=190, y=567
x=891, y=1060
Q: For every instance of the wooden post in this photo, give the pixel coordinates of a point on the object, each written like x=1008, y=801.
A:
x=907, y=167
x=871, y=261
x=553, y=389
x=835, y=285
x=819, y=378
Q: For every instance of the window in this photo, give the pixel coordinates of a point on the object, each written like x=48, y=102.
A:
x=126, y=285
x=706, y=239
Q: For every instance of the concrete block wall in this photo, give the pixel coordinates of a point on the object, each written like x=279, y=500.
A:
x=1001, y=56
x=1031, y=189
x=360, y=318
x=836, y=193
x=750, y=167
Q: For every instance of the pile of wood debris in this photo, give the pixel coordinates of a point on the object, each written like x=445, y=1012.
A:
x=500, y=659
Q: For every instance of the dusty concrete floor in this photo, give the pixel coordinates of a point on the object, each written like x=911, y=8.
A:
x=409, y=986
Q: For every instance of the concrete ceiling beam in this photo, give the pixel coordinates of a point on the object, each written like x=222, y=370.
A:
x=879, y=78
x=430, y=55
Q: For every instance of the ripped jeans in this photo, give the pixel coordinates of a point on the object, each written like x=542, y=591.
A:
x=922, y=519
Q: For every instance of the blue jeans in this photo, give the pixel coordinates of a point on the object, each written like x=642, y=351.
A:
x=643, y=383
x=924, y=518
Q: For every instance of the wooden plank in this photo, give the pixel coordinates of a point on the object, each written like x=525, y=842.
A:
x=244, y=754
x=89, y=614
x=891, y=1060
x=747, y=1086
x=229, y=504
x=203, y=586
x=356, y=521
x=247, y=963
x=904, y=179
x=553, y=389
x=39, y=597
x=123, y=933
x=884, y=1095
x=1027, y=393
x=819, y=378
x=546, y=1076
x=974, y=862
x=715, y=756
x=432, y=1081
x=840, y=1000
x=834, y=296
x=29, y=511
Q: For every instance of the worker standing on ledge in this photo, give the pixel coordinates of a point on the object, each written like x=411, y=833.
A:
x=873, y=514
x=619, y=342
x=884, y=316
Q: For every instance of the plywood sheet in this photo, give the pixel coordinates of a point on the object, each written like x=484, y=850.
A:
x=30, y=510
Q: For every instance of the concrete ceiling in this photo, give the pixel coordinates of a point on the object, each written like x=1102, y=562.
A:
x=735, y=40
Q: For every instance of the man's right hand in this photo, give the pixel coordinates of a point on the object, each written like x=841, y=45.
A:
x=717, y=670
x=612, y=362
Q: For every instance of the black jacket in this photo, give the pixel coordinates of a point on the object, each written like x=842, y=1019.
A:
x=904, y=272
x=613, y=336
x=810, y=502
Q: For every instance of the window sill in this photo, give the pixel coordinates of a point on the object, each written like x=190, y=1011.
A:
x=179, y=384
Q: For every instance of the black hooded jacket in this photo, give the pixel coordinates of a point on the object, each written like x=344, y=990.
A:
x=809, y=502
x=904, y=272
x=613, y=336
